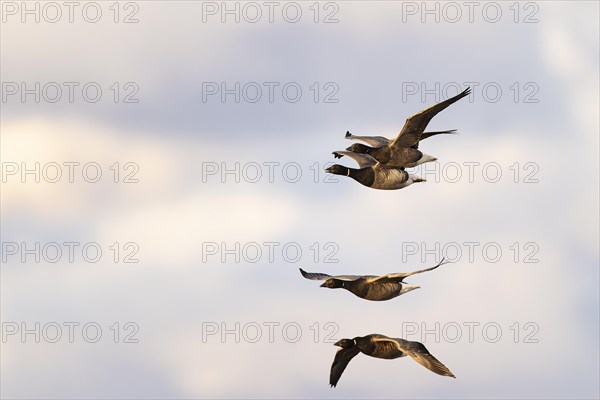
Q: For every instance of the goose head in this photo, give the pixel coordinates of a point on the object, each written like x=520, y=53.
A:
x=337, y=169
x=345, y=343
x=359, y=148
x=333, y=283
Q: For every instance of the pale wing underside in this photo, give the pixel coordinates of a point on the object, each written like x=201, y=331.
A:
x=317, y=276
x=373, y=141
x=418, y=352
x=363, y=160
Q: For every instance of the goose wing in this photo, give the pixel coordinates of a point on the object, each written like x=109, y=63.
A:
x=418, y=352
x=415, y=124
x=401, y=275
x=373, y=141
x=341, y=360
x=426, y=135
x=363, y=160
x=317, y=276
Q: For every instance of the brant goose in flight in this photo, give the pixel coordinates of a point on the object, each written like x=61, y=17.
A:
x=372, y=173
x=394, y=154
x=370, y=287
x=380, y=346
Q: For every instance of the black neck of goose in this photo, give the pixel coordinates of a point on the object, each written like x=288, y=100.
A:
x=360, y=341
x=366, y=176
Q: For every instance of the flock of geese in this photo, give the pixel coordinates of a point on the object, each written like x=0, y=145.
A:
x=382, y=166
x=382, y=163
x=377, y=288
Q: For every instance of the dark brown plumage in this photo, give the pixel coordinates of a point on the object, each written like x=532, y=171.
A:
x=370, y=287
x=380, y=346
x=372, y=173
x=402, y=152
x=415, y=125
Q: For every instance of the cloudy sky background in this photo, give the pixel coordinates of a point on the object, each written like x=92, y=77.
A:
x=371, y=54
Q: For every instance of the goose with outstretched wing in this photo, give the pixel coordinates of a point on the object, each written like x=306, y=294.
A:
x=370, y=287
x=380, y=346
x=403, y=152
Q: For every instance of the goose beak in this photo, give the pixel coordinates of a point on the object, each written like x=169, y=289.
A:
x=323, y=284
x=328, y=170
x=338, y=343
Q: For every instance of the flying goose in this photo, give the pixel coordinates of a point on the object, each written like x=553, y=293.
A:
x=379, y=141
x=369, y=287
x=372, y=173
x=380, y=346
x=394, y=154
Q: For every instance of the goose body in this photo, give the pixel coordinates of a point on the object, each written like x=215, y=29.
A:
x=369, y=287
x=372, y=173
x=380, y=346
x=404, y=157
